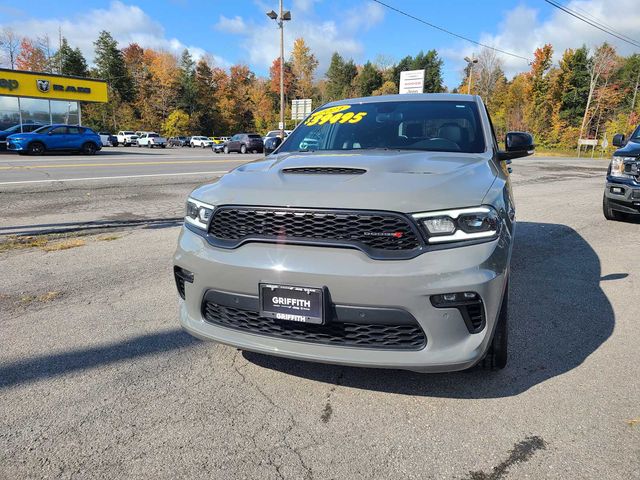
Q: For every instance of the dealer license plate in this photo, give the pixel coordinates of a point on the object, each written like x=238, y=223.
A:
x=291, y=303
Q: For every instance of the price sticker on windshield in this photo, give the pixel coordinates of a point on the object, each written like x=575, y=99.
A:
x=332, y=115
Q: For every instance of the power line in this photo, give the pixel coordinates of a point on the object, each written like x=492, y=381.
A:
x=450, y=32
x=600, y=22
x=596, y=25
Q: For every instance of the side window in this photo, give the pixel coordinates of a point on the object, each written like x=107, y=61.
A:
x=493, y=132
x=59, y=131
x=73, y=130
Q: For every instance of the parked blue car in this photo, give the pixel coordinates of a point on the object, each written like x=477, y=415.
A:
x=55, y=138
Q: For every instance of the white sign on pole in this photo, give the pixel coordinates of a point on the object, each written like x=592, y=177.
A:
x=300, y=108
x=412, y=81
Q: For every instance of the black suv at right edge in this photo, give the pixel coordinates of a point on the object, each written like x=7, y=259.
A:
x=622, y=191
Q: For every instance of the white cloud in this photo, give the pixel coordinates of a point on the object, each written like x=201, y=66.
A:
x=233, y=25
x=261, y=41
x=521, y=32
x=127, y=24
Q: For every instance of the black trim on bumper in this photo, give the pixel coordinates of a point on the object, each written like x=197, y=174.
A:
x=347, y=325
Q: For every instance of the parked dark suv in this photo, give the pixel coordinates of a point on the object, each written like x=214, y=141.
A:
x=622, y=190
x=244, y=143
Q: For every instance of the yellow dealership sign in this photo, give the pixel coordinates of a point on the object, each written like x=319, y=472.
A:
x=17, y=83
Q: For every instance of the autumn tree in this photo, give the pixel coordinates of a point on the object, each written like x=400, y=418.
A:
x=9, y=47
x=303, y=67
x=539, y=111
x=176, y=124
x=31, y=57
x=600, y=67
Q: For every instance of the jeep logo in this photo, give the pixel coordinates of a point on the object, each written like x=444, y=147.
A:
x=8, y=83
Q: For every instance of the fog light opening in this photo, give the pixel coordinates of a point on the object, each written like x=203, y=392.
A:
x=469, y=304
x=181, y=276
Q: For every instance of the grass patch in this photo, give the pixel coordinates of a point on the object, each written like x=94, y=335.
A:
x=42, y=298
x=63, y=245
x=633, y=422
x=109, y=238
x=20, y=243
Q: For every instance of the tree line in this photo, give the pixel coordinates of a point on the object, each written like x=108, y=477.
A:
x=590, y=93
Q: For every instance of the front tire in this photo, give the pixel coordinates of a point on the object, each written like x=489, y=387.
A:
x=226, y=150
x=610, y=213
x=89, y=148
x=36, y=148
x=243, y=149
x=496, y=357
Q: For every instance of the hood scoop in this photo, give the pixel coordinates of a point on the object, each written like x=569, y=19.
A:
x=324, y=171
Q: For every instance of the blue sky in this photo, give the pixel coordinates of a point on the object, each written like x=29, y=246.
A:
x=239, y=32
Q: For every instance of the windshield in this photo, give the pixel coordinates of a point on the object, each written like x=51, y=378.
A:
x=635, y=136
x=439, y=126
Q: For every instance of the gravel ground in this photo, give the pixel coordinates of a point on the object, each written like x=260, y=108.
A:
x=98, y=381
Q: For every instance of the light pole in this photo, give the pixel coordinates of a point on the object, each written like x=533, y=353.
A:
x=284, y=16
x=470, y=62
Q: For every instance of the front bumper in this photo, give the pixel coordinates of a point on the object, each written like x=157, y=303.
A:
x=623, y=194
x=354, y=279
x=16, y=146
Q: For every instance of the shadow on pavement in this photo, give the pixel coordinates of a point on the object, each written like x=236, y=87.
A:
x=559, y=316
x=48, y=366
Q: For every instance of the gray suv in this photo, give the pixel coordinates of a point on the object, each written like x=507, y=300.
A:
x=377, y=234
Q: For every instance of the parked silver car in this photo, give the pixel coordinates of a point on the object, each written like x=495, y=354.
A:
x=384, y=242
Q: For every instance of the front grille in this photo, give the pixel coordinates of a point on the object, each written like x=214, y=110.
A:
x=380, y=234
x=325, y=170
x=365, y=335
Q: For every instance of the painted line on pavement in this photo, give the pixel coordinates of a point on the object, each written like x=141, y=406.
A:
x=219, y=172
x=125, y=164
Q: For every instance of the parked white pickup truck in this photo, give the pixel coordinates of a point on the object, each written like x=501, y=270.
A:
x=152, y=139
x=127, y=138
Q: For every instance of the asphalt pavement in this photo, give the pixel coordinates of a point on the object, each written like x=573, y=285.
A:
x=115, y=163
x=98, y=381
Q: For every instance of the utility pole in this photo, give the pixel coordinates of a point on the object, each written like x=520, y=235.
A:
x=470, y=62
x=60, y=50
x=635, y=92
x=281, y=74
x=282, y=16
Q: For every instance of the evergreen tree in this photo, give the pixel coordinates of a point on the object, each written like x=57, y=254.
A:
x=339, y=77
x=187, y=83
x=69, y=61
x=574, y=71
x=430, y=63
x=111, y=67
x=368, y=80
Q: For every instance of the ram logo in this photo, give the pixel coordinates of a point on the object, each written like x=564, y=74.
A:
x=43, y=85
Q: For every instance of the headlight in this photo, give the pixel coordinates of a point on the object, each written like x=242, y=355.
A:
x=618, y=166
x=463, y=224
x=198, y=213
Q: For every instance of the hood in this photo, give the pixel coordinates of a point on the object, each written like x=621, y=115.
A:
x=23, y=135
x=631, y=149
x=400, y=181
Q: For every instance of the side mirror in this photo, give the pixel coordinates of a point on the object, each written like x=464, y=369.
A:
x=517, y=144
x=618, y=140
x=270, y=144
